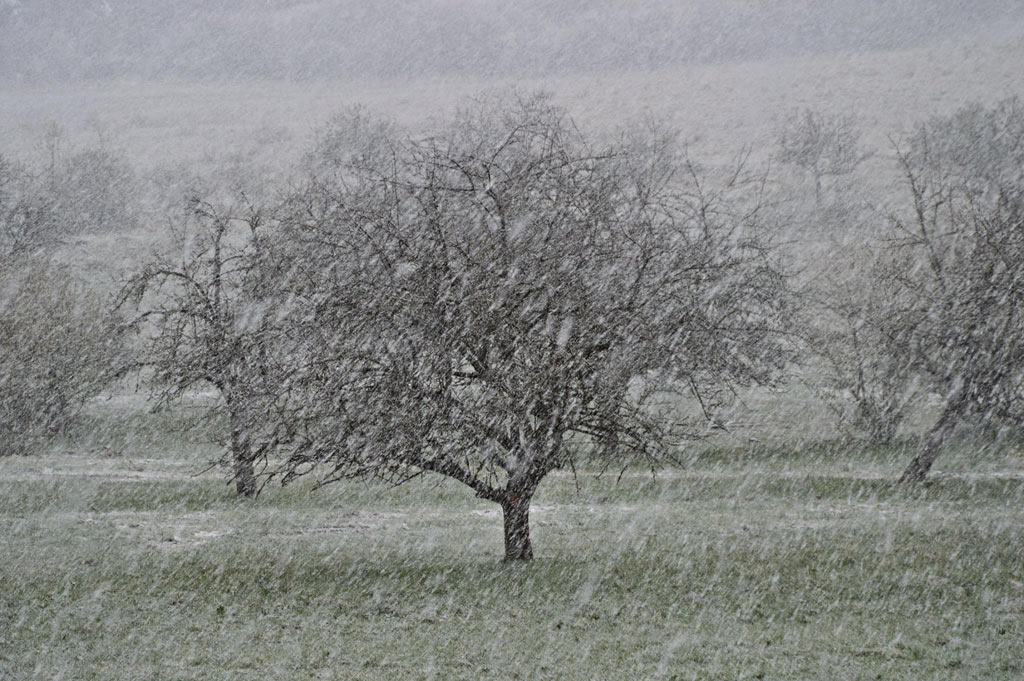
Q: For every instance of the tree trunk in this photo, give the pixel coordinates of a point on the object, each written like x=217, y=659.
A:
x=516, y=511
x=929, y=449
x=245, y=475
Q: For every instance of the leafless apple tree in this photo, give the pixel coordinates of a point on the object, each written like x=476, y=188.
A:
x=961, y=245
x=494, y=301
x=850, y=362
x=202, y=318
x=58, y=343
x=822, y=145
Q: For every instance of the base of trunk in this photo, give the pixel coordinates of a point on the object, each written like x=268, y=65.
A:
x=919, y=466
x=916, y=470
x=516, y=512
x=245, y=477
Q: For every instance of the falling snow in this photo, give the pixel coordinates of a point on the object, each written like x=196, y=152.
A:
x=535, y=340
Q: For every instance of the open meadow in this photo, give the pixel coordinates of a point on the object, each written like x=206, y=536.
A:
x=760, y=561
x=720, y=108
x=781, y=547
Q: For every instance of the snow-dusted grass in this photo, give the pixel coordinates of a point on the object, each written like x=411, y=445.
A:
x=794, y=557
x=767, y=562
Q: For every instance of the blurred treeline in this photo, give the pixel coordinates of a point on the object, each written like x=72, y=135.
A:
x=905, y=300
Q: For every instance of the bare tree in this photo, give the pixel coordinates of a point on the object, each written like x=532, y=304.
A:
x=493, y=301
x=66, y=193
x=853, y=323
x=203, y=323
x=58, y=348
x=25, y=226
x=822, y=145
x=58, y=343
x=962, y=247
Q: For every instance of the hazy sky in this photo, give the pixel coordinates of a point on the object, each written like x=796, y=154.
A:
x=61, y=40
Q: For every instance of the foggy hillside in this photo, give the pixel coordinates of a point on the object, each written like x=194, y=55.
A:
x=56, y=40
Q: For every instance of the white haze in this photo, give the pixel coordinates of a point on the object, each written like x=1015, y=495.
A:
x=195, y=82
x=61, y=41
x=782, y=547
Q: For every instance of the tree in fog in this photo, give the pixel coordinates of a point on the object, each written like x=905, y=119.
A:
x=494, y=301
x=822, y=145
x=866, y=383
x=24, y=230
x=63, y=193
x=203, y=325
x=961, y=249
x=58, y=345
x=58, y=348
x=847, y=299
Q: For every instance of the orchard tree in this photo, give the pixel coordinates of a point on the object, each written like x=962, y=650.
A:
x=58, y=343
x=58, y=347
x=822, y=145
x=66, y=193
x=26, y=228
x=852, y=327
x=961, y=246
x=202, y=318
x=494, y=301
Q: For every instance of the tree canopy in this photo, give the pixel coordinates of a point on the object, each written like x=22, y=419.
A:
x=962, y=245
x=494, y=301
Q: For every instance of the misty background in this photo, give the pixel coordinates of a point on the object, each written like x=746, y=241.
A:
x=57, y=40
x=192, y=194
x=189, y=91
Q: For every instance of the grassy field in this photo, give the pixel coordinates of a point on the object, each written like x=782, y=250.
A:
x=765, y=562
x=123, y=556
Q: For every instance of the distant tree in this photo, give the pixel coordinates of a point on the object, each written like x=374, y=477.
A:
x=66, y=193
x=493, y=301
x=95, y=190
x=865, y=381
x=58, y=348
x=961, y=243
x=203, y=324
x=25, y=229
x=822, y=145
x=58, y=342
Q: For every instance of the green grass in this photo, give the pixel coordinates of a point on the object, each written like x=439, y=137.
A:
x=792, y=558
x=766, y=562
